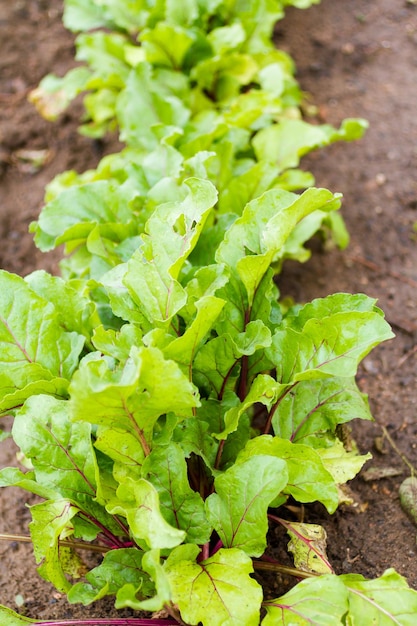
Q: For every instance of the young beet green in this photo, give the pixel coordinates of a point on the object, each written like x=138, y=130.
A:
x=167, y=404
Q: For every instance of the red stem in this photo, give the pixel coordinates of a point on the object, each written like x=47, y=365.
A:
x=117, y=621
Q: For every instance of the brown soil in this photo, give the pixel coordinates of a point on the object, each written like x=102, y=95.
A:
x=354, y=58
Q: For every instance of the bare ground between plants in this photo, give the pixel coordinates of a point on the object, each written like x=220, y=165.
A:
x=354, y=58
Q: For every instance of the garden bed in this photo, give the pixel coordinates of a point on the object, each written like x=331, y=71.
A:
x=354, y=60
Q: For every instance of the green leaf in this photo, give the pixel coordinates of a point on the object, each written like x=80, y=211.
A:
x=329, y=346
x=182, y=507
x=75, y=311
x=61, y=453
x=342, y=464
x=37, y=354
x=226, y=38
x=167, y=44
x=386, y=601
x=239, y=505
x=264, y=389
x=79, y=210
x=13, y=477
x=130, y=399
x=183, y=349
x=124, y=449
x=151, y=564
x=138, y=501
x=83, y=15
x=257, y=238
x=218, y=591
x=145, y=103
x=285, y=143
x=320, y=308
x=117, y=344
x=314, y=407
x=215, y=365
x=321, y=601
x=171, y=234
x=308, y=478
x=195, y=435
x=10, y=618
x=105, y=54
x=119, y=568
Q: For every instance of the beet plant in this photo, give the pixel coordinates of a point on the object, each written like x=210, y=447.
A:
x=169, y=407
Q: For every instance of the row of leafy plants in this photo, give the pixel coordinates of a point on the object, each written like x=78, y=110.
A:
x=168, y=407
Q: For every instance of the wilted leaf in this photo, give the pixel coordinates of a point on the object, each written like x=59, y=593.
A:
x=308, y=545
x=408, y=497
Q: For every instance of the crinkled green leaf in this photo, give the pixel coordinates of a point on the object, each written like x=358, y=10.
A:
x=313, y=407
x=61, y=453
x=223, y=76
x=184, y=13
x=105, y=54
x=37, y=354
x=167, y=44
x=119, y=568
x=320, y=601
x=83, y=15
x=138, y=501
x=330, y=346
x=386, y=601
x=171, y=234
x=183, y=349
x=239, y=505
x=13, y=477
x=130, y=15
x=195, y=435
x=182, y=507
x=258, y=19
x=308, y=478
x=144, y=103
x=320, y=308
x=119, y=299
x=127, y=595
x=117, y=344
x=215, y=365
x=77, y=211
x=249, y=185
x=123, y=448
x=285, y=143
x=226, y=38
x=257, y=238
x=264, y=389
x=75, y=310
x=218, y=591
x=342, y=464
x=130, y=399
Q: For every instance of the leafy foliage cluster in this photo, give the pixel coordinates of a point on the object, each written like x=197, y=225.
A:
x=165, y=401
